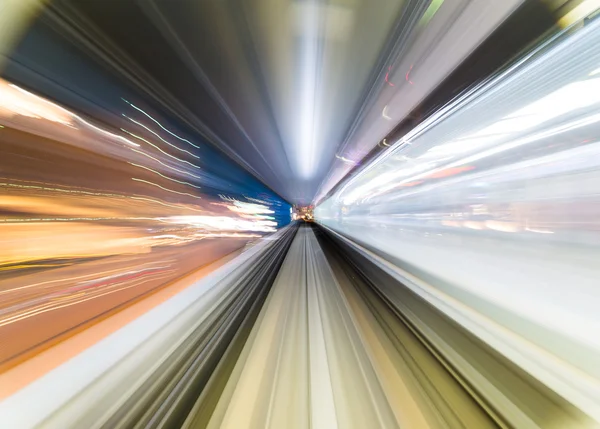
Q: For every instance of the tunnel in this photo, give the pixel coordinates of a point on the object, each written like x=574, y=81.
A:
x=299, y=214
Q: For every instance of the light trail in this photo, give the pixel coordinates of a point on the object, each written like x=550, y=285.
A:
x=68, y=279
x=13, y=185
x=121, y=274
x=41, y=299
x=49, y=184
x=158, y=148
x=116, y=136
x=166, y=204
x=151, y=131
x=165, y=189
x=72, y=219
x=166, y=177
x=74, y=115
x=159, y=124
x=167, y=165
x=50, y=307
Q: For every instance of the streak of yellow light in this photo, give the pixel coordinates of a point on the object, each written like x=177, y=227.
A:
x=67, y=297
x=20, y=267
x=79, y=188
x=585, y=8
x=42, y=188
x=73, y=219
x=53, y=205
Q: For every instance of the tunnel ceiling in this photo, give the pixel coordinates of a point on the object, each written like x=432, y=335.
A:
x=298, y=92
x=276, y=84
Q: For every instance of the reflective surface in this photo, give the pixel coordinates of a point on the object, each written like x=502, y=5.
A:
x=493, y=202
x=153, y=154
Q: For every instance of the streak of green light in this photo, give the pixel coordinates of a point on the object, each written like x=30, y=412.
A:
x=430, y=12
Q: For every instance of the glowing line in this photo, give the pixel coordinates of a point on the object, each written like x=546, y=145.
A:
x=65, y=280
x=384, y=113
x=167, y=165
x=158, y=123
x=256, y=200
x=78, y=188
x=118, y=137
x=13, y=185
x=166, y=177
x=119, y=274
x=408, y=73
x=387, y=75
x=594, y=72
x=512, y=144
x=539, y=231
x=50, y=306
x=349, y=161
x=156, y=147
x=70, y=219
x=167, y=205
x=151, y=131
x=165, y=189
x=430, y=12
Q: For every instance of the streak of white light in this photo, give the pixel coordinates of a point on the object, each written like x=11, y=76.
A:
x=160, y=125
x=539, y=231
x=346, y=160
x=151, y=131
x=64, y=279
x=306, y=145
x=568, y=98
x=165, y=177
x=121, y=274
x=384, y=114
x=167, y=205
x=165, y=189
x=74, y=115
x=504, y=147
x=167, y=165
x=223, y=223
x=158, y=148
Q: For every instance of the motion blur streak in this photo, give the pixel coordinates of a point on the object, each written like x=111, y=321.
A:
x=327, y=214
x=511, y=222
x=67, y=209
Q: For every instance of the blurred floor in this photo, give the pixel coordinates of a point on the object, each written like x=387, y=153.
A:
x=332, y=349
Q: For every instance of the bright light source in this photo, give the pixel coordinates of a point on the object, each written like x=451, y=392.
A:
x=306, y=146
x=584, y=9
